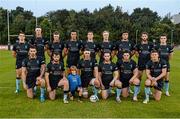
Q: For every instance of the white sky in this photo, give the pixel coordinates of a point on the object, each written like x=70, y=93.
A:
x=40, y=7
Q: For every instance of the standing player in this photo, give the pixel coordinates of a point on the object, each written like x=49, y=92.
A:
x=90, y=44
x=39, y=42
x=128, y=75
x=74, y=83
x=72, y=50
x=143, y=50
x=33, y=69
x=108, y=77
x=166, y=52
x=106, y=45
x=20, y=52
x=55, y=77
x=88, y=69
x=155, y=71
x=124, y=44
x=56, y=46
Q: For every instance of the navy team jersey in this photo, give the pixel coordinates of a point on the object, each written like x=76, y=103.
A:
x=92, y=46
x=55, y=70
x=121, y=46
x=164, y=51
x=104, y=46
x=156, y=67
x=107, y=71
x=33, y=66
x=74, y=48
x=126, y=68
x=87, y=68
x=21, y=50
x=144, y=51
x=40, y=44
x=56, y=47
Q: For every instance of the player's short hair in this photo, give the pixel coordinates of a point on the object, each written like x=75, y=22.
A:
x=90, y=32
x=163, y=35
x=107, y=51
x=126, y=51
x=56, y=53
x=21, y=32
x=73, y=68
x=125, y=31
x=144, y=33
x=56, y=33
x=154, y=51
x=105, y=32
x=32, y=47
x=73, y=31
x=38, y=27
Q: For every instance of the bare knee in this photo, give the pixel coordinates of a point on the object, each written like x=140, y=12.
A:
x=97, y=83
x=118, y=84
x=147, y=82
x=136, y=81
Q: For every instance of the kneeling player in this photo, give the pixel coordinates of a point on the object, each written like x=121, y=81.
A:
x=33, y=69
x=55, y=77
x=74, y=83
x=108, y=77
x=155, y=71
x=88, y=69
x=128, y=75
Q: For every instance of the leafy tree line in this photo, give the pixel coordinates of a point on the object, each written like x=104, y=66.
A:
x=107, y=18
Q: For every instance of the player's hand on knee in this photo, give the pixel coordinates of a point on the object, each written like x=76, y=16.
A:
x=131, y=81
x=102, y=87
x=48, y=88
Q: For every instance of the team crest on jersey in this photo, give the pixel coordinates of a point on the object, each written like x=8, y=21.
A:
x=159, y=65
x=77, y=44
x=60, y=67
x=37, y=61
x=111, y=67
x=53, y=68
x=90, y=63
x=131, y=66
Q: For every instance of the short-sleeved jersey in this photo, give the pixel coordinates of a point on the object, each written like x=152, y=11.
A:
x=33, y=66
x=126, y=68
x=121, y=46
x=107, y=70
x=164, y=51
x=92, y=46
x=144, y=51
x=56, y=47
x=21, y=50
x=40, y=44
x=55, y=71
x=73, y=46
x=87, y=68
x=103, y=46
x=74, y=81
x=156, y=67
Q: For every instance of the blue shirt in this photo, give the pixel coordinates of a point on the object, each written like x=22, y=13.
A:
x=74, y=81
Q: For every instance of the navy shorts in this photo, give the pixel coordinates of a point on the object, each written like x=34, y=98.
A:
x=159, y=85
x=31, y=81
x=125, y=82
x=19, y=64
x=54, y=83
x=106, y=83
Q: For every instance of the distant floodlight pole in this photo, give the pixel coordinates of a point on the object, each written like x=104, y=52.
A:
x=136, y=35
x=36, y=22
x=8, y=30
x=172, y=36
